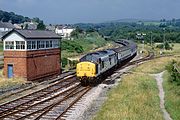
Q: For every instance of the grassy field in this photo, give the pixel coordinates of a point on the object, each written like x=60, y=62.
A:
x=152, y=23
x=136, y=98
x=172, y=97
x=175, y=50
x=155, y=66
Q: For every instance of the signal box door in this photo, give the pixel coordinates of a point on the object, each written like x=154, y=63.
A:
x=10, y=71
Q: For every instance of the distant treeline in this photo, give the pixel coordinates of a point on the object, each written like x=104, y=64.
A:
x=128, y=30
x=14, y=18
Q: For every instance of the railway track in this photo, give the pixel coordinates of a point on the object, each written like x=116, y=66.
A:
x=52, y=102
x=52, y=107
x=148, y=57
x=36, y=96
x=33, y=86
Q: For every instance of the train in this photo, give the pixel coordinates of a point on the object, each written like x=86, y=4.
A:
x=95, y=66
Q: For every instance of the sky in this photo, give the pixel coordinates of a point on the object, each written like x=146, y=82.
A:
x=92, y=11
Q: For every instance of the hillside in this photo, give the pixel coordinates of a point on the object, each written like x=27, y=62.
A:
x=85, y=43
x=14, y=18
x=128, y=30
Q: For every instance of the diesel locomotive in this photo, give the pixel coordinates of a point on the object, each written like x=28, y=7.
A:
x=97, y=65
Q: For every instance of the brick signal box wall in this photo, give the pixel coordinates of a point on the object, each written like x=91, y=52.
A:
x=33, y=65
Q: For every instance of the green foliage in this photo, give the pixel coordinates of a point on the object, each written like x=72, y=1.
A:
x=41, y=26
x=7, y=16
x=72, y=46
x=128, y=30
x=1, y=46
x=76, y=32
x=14, y=18
x=166, y=46
x=172, y=97
x=174, y=75
x=64, y=62
x=84, y=43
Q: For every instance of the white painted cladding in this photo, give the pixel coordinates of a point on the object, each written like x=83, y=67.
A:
x=14, y=37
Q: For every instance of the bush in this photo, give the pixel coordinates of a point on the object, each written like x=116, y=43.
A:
x=166, y=45
x=72, y=46
x=64, y=62
x=174, y=75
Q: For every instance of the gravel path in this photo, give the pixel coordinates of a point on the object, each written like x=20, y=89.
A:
x=159, y=80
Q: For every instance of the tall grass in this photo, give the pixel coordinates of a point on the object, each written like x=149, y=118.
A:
x=7, y=83
x=155, y=66
x=172, y=97
x=136, y=98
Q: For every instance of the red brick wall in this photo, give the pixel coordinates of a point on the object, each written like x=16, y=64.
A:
x=43, y=63
x=33, y=64
x=19, y=62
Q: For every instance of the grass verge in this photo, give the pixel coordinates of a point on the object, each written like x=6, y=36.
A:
x=155, y=66
x=8, y=83
x=172, y=97
x=136, y=98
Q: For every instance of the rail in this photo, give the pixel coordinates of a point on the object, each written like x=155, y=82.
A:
x=44, y=107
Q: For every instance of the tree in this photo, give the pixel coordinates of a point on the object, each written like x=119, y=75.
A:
x=174, y=75
x=26, y=26
x=41, y=26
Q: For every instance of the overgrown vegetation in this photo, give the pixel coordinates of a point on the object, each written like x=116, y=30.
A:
x=83, y=42
x=172, y=96
x=165, y=46
x=173, y=70
x=136, y=98
x=8, y=83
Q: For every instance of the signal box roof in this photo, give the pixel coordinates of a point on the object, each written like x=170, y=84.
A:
x=34, y=34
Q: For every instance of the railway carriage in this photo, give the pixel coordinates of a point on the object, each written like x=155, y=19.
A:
x=94, y=66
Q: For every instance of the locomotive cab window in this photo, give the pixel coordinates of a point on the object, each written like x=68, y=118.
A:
x=102, y=64
x=110, y=61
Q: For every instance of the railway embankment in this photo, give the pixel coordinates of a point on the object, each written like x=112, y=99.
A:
x=137, y=95
x=172, y=96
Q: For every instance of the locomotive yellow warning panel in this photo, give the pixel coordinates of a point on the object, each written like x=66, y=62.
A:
x=86, y=69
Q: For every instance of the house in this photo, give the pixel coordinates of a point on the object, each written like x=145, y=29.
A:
x=64, y=31
x=30, y=25
x=50, y=27
x=5, y=27
x=31, y=54
x=18, y=26
x=140, y=36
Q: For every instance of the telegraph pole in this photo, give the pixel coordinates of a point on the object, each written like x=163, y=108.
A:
x=151, y=38
x=164, y=39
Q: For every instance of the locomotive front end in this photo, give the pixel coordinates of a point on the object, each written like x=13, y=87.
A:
x=85, y=72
